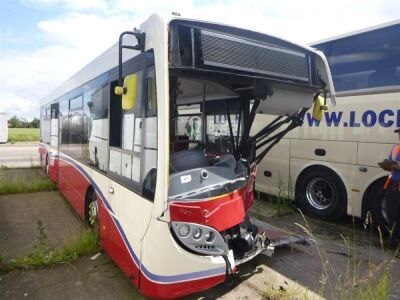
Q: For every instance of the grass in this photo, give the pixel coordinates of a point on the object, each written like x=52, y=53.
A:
x=373, y=284
x=23, y=135
x=43, y=255
x=29, y=180
x=281, y=293
x=281, y=204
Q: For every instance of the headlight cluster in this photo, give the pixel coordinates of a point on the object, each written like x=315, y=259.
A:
x=200, y=238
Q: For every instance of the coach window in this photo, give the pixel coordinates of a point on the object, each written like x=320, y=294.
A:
x=367, y=60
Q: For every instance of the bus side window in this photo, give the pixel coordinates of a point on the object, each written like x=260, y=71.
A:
x=133, y=132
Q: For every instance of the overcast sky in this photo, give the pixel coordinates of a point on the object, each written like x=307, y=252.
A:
x=43, y=42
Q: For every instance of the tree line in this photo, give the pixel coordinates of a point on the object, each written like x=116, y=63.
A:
x=16, y=122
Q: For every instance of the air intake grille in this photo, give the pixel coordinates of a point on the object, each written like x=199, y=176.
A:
x=235, y=53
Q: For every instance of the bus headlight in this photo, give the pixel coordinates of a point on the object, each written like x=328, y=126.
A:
x=184, y=230
x=200, y=238
x=196, y=233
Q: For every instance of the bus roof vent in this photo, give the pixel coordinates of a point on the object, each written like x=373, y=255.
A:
x=225, y=51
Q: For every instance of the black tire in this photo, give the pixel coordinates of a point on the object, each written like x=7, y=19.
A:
x=380, y=219
x=47, y=170
x=321, y=193
x=92, y=210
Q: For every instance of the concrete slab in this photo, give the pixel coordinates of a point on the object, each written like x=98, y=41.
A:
x=79, y=280
x=19, y=155
x=20, y=213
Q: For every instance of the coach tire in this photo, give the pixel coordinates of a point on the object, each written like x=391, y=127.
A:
x=321, y=193
x=379, y=215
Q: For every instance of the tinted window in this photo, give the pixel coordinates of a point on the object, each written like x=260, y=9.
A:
x=76, y=103
x=133, y=133
x=367, y=60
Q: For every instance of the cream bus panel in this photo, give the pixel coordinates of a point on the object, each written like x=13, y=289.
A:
x=128, y=124
x=115, y=161
x=138, y=135
x=160, y=253
x=276, y=163
x=285, y=102
x=362, y=118
x=126, y=165
x=150, y=140
x=370, y=154
x=343, y=152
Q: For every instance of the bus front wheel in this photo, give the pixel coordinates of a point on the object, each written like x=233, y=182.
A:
x=92, y=210
x=321, y=193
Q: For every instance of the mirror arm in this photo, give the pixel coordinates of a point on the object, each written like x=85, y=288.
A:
x=140, y=37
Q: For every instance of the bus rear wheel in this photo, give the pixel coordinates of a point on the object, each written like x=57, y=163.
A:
x=47, y=165
x=321, y=193
x=380, y=216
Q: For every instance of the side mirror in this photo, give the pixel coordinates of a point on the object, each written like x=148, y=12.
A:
x=128, y=92
x=319, y=107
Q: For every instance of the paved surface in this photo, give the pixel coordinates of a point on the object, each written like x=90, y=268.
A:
x=83, y=279
x=19, y=215
x=19, y=155
x=100, y=278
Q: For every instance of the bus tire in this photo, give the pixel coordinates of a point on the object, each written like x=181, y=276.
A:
x=321, y=193
x=47, y=165
x=92, y=209
x=379, y=216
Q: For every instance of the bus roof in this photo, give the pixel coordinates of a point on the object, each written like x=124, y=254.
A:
x=355, y=32
x=109, y=58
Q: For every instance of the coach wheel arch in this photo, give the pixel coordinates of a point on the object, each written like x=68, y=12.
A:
x=321, y=193
x=91, y=208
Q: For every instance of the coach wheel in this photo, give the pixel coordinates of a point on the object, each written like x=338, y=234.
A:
x=380, y=212
x=321, y=193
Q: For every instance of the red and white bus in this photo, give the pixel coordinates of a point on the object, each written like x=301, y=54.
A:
x=151, y=142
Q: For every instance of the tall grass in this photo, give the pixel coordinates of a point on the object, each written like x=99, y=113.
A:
x=373, y=284
x=16, y=187
x=14, y=181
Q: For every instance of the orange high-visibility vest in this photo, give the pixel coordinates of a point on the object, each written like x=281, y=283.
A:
x=395, y=152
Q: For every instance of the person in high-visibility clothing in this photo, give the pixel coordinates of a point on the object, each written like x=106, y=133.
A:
x=392, y=188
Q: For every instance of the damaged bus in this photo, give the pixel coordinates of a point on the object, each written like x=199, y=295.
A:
x=150, y=143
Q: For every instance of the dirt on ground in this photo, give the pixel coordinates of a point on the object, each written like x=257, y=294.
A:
x=340, y=258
